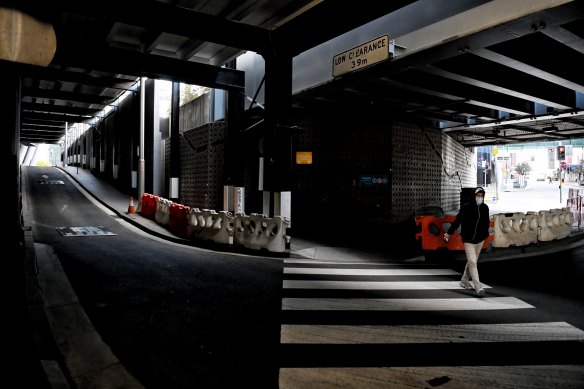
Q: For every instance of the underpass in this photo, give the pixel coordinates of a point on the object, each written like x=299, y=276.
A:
x=178, y=315
x=173, y=315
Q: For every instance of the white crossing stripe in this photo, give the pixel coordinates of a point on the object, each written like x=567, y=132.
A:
x=380, y=304
x=522, y=376
x=369, y=272
x=343, y=263
x=463, y=333
x=374, y=285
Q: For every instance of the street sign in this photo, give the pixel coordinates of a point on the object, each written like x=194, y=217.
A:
x=562, y=165
x=377, y=181
x=304, y=157
x=367, y=54
x=551, y=157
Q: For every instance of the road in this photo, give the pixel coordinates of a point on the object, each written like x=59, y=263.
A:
x=175, y=316
x=182, y=317
x=537, y=196
x=403, y=326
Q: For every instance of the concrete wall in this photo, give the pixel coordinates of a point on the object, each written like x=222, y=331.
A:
x=195, y=113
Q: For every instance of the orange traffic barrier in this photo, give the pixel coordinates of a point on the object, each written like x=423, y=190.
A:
x=431, y=233
x=148, y=205
x=178, y=220
x=131, y=208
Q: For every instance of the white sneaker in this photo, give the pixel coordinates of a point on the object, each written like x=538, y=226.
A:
x=480, y=292
x=465, y=284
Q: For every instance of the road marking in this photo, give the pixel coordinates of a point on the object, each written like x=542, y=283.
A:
x=522, y=376
x=370, y=272
x=342, y=263
x=374, y=285
x=84, y=231
x=359, y=304
x=452, y=333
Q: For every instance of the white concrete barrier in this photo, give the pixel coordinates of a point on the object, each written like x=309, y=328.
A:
x=162, y=214
x=555, y=224
x=257, y=232
x=517, y=229
x=196, y=222
x=218, y=227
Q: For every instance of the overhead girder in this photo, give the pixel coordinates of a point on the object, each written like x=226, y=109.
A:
x=53, y=117
x=432, y=81
x=512, y=82
x=40, y=107
x=569, y=34
x=36, y=127
x=157, y=16
x=392, y=92
x=455, y=87
x=566, y=73
x=530, y=69
x=53, y=94
x=51, y=73
x=301, y=33
x=128, y=62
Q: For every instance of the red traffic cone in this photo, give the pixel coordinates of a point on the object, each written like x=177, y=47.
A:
x=131, y=208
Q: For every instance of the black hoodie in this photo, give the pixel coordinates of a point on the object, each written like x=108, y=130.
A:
x=475, y=222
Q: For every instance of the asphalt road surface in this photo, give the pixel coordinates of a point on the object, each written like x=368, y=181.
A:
x=182, y=317
x=176, y=317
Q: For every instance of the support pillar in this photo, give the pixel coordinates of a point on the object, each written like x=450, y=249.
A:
x=66, y=151
x=175, y=168
x=277, y=144
x=29, y=154
x=141, y=161
x=233, y=189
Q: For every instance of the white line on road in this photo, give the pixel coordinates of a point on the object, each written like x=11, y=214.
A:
x=455, y=304
x=369, y=272
x=373, y=285
x=461, y=333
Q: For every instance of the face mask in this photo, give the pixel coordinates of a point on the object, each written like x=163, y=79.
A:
x=479, y=200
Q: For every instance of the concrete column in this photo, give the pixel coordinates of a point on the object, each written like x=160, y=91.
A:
x=29, y=154
x=141, y=161
x=33, y=160
x=10, y=113
x=66, y=151
x=175, y=167
x=22, y=154
x=277, y=163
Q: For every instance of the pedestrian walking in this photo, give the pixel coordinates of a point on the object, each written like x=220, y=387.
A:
x=473, y=218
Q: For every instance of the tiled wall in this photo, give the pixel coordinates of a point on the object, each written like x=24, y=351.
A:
x=426, y=169
x=201, y=184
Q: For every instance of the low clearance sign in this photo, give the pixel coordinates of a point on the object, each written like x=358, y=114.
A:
x=367, y=54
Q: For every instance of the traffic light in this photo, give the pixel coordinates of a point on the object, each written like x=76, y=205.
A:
x=561, y=153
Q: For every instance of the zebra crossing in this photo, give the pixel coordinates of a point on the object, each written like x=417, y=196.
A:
x=377, y=325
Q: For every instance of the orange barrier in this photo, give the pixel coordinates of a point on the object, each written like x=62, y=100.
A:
x=131, y=208
x=178, y=221
x=148, y=205
x=431, y=233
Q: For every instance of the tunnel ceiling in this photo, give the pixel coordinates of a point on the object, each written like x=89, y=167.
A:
x=520, y=81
